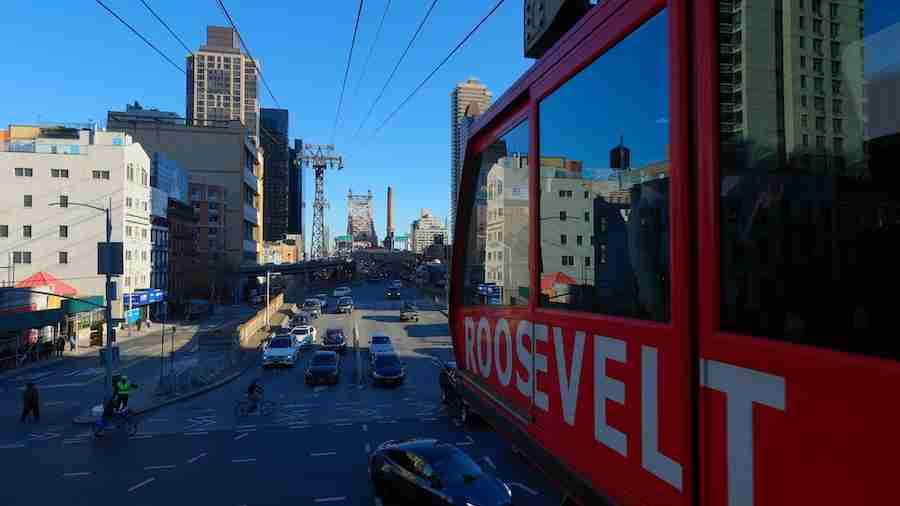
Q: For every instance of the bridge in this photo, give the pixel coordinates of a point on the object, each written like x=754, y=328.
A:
x=307, y=267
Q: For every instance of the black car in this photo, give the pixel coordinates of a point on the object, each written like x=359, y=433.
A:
x=324, y=368
x=344, y=305
x=335, y=341
x=431, y=472
x=392, y=293
x=409, y=312
x=388, y=369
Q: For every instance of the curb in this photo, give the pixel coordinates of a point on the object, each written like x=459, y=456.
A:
x=87, y=420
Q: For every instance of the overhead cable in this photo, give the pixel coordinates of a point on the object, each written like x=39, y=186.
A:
x=337, y=115
x=141, y=37
x=172, y=32
x=247, y=49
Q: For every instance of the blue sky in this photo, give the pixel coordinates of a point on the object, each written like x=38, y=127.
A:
x=71, y=61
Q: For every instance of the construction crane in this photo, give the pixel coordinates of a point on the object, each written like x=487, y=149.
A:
x=319, y=157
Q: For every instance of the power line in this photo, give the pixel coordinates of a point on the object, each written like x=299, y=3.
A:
x=252, y=59
x=141, y=37
x=438, y=67
x=346, y=71
x=155, y=15
x=365, y=67
x=399, y=61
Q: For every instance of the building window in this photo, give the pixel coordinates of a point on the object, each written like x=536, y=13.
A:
x=587, y=216
x=130, y=172
x=128, y=202
x=833, y=9
x=817, y=46
x=803, y=81
x=562, y=216
x=26, y=231
x=820, y=123
x=820, y=103
x=837, y=126
x=817, y=6
x=836, y=106
x=579, y=239
x=819, y=85
x=835, y=67
x=26, y=200
x=63, y=231
x=128, y=231
x=21, y=257
x=805, y=140
x=144, y=204
x=587, y=261
x=563, y=239
x=835, y=49
x=587, y=194
x=24, y=172
x=802, y=61
x=838, y=145
x=817, y=65
x=59, y=172
x=820, y=142
x=817, y=26
x=803, y=101
x=802, y=42
x=63, y=201
x=4, y=230
x=100, y=174
x=802, y=22
x=835, y=30
x=836, y=87
x=804, y=121
x=63, y=257
x=144, y=233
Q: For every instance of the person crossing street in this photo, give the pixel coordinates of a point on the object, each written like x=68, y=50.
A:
x=30, y=403
x=121, y=389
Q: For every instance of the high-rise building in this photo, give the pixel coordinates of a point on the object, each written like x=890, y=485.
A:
x=467, y=100
x=296, y=207
x=66, y=167
x=423, y=231
x=222, y=82
x=791, y=95
x=274, y=141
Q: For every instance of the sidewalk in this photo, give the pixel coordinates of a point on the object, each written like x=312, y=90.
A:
x=210, y=371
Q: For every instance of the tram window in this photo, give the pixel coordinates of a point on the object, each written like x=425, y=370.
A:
x=496, y=265
x=806, y=252
x=606, y=131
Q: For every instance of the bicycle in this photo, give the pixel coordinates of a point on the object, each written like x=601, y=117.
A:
x=245, y=406
x=118, y=421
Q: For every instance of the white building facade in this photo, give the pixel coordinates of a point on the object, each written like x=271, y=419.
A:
x=424, y=230
x=65, y=167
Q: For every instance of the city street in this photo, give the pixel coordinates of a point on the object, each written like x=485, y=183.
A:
x=312, y=449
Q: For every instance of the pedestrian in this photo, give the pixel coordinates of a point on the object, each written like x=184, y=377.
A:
x=60, y=346
x=30, y=403
x=71, y=342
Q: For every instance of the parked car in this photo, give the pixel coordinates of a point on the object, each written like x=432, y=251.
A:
x=380, y=343
x=305, y=335
x=300, y=319
x=342, y=291
x=335, y=340
x=345, y=305
x=281, y=350
x=392, y=293
x=409, y=312
x=313, y=307
x=388, y=369
x=324, y=368
x=428, y=472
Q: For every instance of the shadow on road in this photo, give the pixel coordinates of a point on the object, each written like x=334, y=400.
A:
x=382, y=318
x=427, y=330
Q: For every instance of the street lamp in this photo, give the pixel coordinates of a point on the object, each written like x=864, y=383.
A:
x=109, y=285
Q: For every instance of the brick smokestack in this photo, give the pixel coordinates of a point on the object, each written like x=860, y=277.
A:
x=390, y=212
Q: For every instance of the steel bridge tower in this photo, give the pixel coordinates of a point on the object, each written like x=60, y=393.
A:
x=320, y=157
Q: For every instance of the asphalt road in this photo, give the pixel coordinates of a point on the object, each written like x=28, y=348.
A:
x=312, y=450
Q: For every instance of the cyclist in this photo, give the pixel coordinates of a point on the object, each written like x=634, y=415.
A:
x=254, y=394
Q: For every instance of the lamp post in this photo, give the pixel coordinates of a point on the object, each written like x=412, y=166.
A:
x=109, y=286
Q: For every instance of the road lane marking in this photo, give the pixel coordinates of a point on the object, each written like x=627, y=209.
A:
x=245, y=430
x=320, y=388
x=242, y=436
x=365, y=428
x=523, y=487
x=429, y=419
x=154, y=468
x=345, y=424
x=245, y=426
x=141, y=436
x=196, y=433
x=490, y=463
x=54, y=403
x=331, y=499
x=242, y=461
x=195, y=459
x=368, y=448
x=72, y=475
x=301, y=405
x=158, y=420
x=469, y=441
x=11, y=446
x=387, y=421
x=322, y=454
x=141, y=484
x=341, y=420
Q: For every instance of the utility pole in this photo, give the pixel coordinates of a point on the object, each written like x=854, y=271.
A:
x=320, y=157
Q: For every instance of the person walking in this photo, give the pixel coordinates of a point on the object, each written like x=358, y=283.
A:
x=30, y=403
x=60, y=346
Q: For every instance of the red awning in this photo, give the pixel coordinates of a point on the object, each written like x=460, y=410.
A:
x=46, y=279
x=556, y=278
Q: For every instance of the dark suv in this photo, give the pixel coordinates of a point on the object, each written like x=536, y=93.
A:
x=335, y=341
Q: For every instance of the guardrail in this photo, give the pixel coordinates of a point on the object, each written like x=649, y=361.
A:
x=248, y=328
